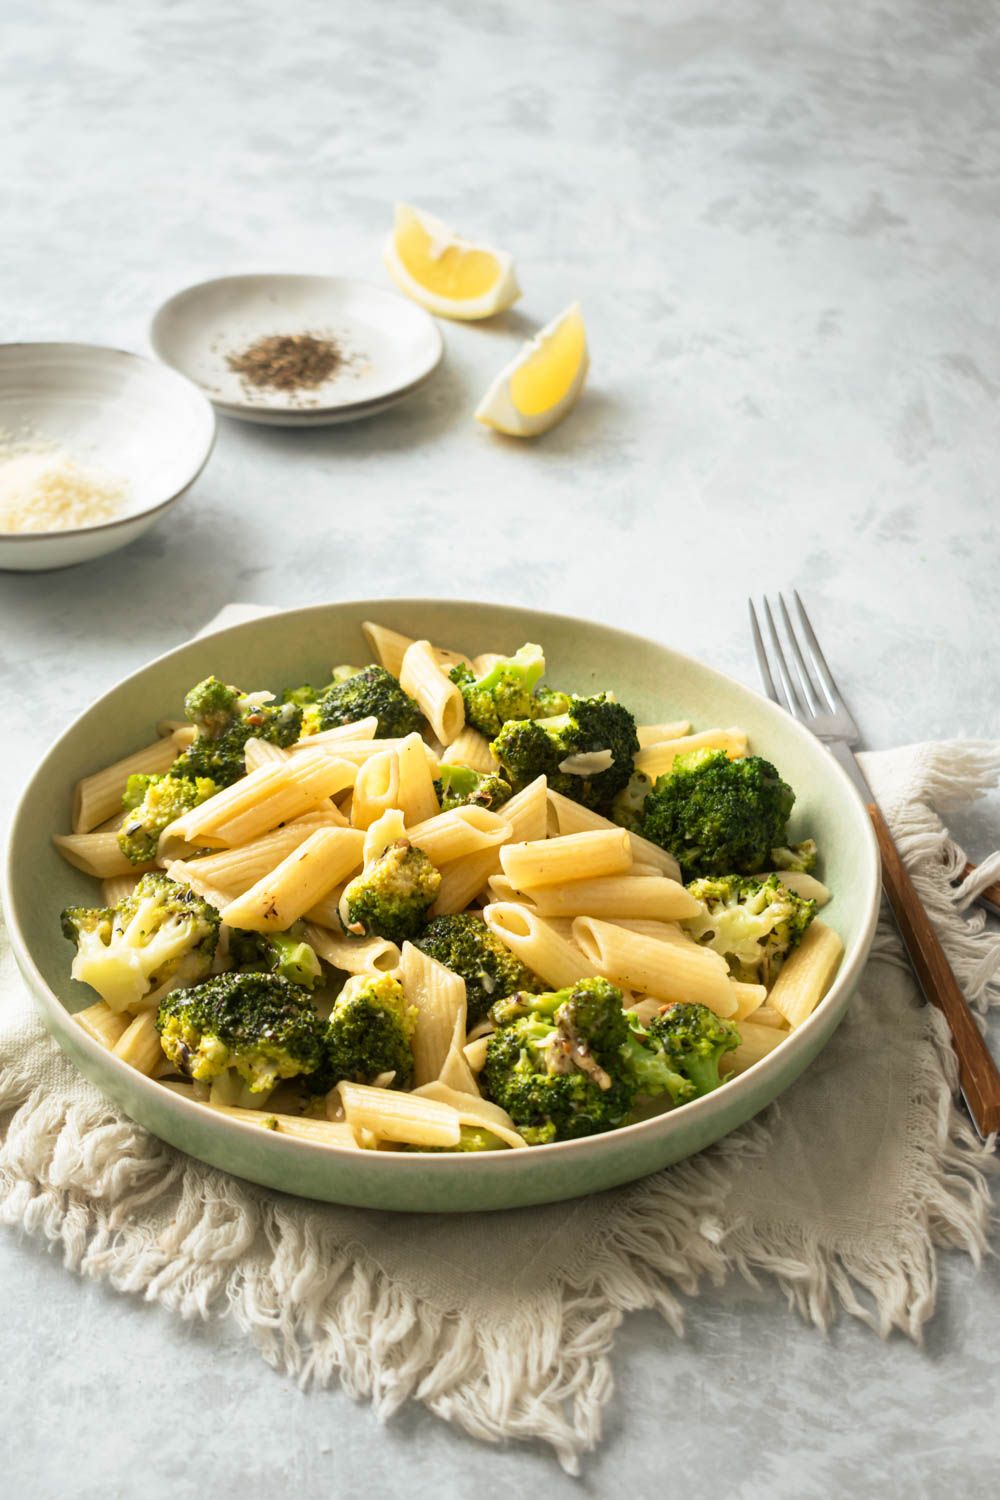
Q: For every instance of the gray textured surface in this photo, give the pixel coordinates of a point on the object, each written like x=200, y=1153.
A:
x=781, y=223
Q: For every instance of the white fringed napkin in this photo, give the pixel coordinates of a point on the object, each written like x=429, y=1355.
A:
x=842, y=1191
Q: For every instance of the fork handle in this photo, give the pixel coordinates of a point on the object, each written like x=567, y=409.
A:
x=977, y=1071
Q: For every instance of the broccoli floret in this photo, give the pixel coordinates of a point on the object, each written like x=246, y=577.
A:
x=506, y=691
x=460, y=786
x=241, y=1029
x=557, y=1062
x=307, y=696
x=716, y=815
x=369, y=1032
x=797, y=857
x=226, y=719
x=151, y=803
x=284, y=953
x=372, y=690
x=392, y=895
x=693, y=1040
x=654, y=1072
x=754, y=924
x=598, y=728
x=464, y=944
x=159, y=936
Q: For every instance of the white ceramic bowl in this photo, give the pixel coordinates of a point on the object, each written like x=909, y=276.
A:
x=299, y=645
x=392, y=347
x=120, y=413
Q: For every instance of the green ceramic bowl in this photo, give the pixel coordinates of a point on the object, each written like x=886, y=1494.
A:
x=300, y=645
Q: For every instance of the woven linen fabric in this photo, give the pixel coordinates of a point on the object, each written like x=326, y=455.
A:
x=843, y=1191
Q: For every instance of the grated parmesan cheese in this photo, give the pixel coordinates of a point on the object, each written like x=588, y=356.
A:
x=42, y=489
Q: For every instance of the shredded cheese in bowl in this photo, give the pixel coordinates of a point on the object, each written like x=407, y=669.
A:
x=44, y=489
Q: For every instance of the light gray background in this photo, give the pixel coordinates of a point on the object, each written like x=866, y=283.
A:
x=781, y=222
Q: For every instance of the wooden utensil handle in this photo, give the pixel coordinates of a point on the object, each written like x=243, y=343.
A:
x=977, y=1071
x=989, y=893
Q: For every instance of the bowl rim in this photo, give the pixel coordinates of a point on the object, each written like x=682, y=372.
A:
x=361, y=406
x=488, y=1161
x=162, y=369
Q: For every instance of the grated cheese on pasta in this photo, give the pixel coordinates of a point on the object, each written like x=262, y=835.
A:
x=42, y=489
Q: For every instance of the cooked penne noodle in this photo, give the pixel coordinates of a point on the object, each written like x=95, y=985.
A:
x=388, y=646
x=117, y=888
x=456, y=1074
x=749, y=999
x=322, y=1132
x=574, y=856
x=806, y=974
x=383, y=832
x=360, y=729
x=416, y=798
x=440, y=700
x=236, y=870
x=470, y=748
x=300, y=786
x=184, y=731
x=654, y=897
x=459, y=832
x=259, y=753
x=439, y=995
x=570, y=817
x=376, y=789
x=670, y=971
x=391, y=1115
x=99, y=796
x=371, y=955
x=655, y=734
x=356, y=751
x=302, y=878
x=463, y=880
x=475, y=1053
x=766, y=1015
x=527, y=812
x=656, y=760
x=186, y=872
x=756, y=1041
x=501, y=889
x=552, y=957
x=303, y=776
x=97, y=854
x=139, y=1045
x=472, y=1110
x=103, y=1024
x=802, y=884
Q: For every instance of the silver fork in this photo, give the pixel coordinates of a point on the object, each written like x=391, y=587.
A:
x=812, y=697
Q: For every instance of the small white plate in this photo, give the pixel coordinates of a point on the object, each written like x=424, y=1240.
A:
x=390, y=346
x=120, y=414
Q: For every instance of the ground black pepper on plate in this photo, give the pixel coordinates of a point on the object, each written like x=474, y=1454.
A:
x=288, y=361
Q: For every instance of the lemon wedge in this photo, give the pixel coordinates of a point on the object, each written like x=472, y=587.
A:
x=539, y=386
x=444, y=273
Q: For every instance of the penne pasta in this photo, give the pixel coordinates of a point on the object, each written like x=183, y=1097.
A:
x=282, y=794
x=439, y=995
x=551, y=956
x=391, y=1115
x=416, y=798
x=570, y=817
x=103, y=1024
x=97, y=854
x=574, y=856
x=806, y=974
x=371, y=955
x=475, y=1053
x=376, y=790
x=456, y=1075
x=236, y=870
x=656, y=760
x=99, y=796
x=186, y=872
x=440, y=700
x=463, y=880
x=802, y=884
x=473, y=1110
x=766, y=1015
x=654, y=897
x=459, y=832
x=321, y=1132
x=470, y=748
x=356, y=751
x=139, y=1045
x=360, y=729
x=326, y=857
x=654, y=734
x=383, y=832
x=259, y=753
x=755, y=1043
x=388, y=646
x=749, y=999
x=670, y=971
